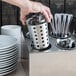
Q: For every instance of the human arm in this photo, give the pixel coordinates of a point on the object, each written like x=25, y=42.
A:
x=28, y=6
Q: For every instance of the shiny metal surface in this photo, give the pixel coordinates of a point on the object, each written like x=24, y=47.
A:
x=39, y=36
x=52, y=49
x=38, y=29
x=60, y=25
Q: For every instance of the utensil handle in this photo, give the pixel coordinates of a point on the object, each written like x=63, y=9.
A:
x=56, y=23
x=52, y=25
x=70, y=17
x=64, y=23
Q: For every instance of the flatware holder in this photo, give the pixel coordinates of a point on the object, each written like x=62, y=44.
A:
x=38, y=31
x=60, y=25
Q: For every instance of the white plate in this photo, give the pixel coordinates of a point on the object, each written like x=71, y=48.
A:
x=8, y=58
x=4, y=65
x=8, y=61
x=12, y=30
x=8, y=54
x=8, y=49
x=7, y=69
x=7, y=42
x=8, y=64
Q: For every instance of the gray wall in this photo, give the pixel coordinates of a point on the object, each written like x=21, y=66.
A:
x=9, y=14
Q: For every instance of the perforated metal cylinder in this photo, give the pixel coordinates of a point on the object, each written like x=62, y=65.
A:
x=39, y=35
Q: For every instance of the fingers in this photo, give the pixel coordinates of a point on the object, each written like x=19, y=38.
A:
x=22, y=18
x=23, y=14
x=47, y=13
x=36, y=7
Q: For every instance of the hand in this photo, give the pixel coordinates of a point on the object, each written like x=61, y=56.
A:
x=34, y=7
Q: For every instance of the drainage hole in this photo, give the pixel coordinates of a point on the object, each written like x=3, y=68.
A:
x=37, y=45
x=34, y=31
x=42, y=37
x=40, y=26
x=45, y=24
x=46, y=35
x=35, y=35
x=40, y=30
x=41, y=34
x=36, y=38
x=46, y=32
x=42, y=41
x=34, y=28
x=36, y=42
x=47, y=39
x=47, y=42
x=46, y=28
x=43, y=44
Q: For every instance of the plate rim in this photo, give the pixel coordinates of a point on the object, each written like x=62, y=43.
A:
x=12, y=38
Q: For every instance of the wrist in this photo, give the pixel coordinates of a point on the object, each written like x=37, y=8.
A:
x=23, y=3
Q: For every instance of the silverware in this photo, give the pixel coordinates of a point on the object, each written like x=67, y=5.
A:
x=70, y=17
x=52, y=25
x=60, y=24
x=56, y=23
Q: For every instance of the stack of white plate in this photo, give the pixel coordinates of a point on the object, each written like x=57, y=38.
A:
x=8, y=54
x=14, y=31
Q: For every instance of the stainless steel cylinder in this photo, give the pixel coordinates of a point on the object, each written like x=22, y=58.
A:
x=39, y=34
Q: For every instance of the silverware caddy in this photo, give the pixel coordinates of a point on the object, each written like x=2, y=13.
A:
x=60, y=29
x=38, y=30
x=60, y=25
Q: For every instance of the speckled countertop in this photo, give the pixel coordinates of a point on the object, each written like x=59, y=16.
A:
x=21, y=70
x=53, y=62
